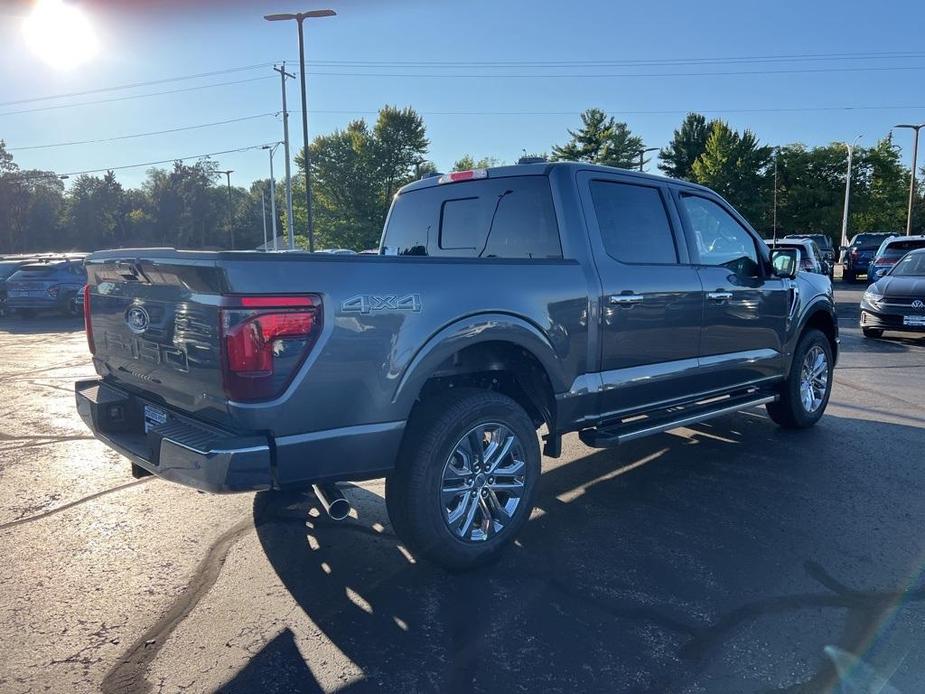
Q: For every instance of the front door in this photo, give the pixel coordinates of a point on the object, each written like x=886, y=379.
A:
x=745, y=308
x=651, y=297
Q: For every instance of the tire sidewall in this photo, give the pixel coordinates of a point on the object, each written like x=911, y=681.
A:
x=810, y=339
x=447, y=548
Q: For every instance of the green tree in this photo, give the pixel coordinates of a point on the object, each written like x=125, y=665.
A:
x=881, y=204
x=601, y=140
x=467, y=162
x=96, y=213
x=399, y=142
x=736, y=166
x=688, y=142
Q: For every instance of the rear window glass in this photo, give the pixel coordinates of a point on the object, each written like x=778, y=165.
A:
x=902, y=247
x=868, y=241
x=7, y=269
x=490, y=218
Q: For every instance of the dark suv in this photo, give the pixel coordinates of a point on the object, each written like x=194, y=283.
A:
x=857, y=255
x=9, y=265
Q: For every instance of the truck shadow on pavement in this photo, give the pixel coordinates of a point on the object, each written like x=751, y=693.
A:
x=41, y=324
x=686, y=559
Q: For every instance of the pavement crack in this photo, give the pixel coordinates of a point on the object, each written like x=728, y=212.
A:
x=72, y=504
x=128, y=675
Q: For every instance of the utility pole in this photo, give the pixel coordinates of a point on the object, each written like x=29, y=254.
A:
x=230, y=227
x=300, y=18
x=844, y=220
x=774, y=223
x=290, y=219
x=915, y=154
x=263, y=202
x=642, y=154
x=272, y=150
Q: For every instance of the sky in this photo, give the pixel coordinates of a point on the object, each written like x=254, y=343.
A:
x=491, y=78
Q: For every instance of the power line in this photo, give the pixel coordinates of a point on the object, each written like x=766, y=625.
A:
x=138, y=166
x=134, y=85
x=137, y=135
x=137, y=96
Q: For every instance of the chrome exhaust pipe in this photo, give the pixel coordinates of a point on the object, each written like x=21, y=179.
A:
x=333, y=501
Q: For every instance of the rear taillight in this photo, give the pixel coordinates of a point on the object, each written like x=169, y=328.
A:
x=88, y=326
x=265, y=340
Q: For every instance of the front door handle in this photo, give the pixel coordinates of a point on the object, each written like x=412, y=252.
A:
x=625, y=299
x=719, y=297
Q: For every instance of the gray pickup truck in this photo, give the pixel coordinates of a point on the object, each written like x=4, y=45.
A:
x=564, y=297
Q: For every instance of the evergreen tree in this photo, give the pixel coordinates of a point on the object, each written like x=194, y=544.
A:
x=601, y=140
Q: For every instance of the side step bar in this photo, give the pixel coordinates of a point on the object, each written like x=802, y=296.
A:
x=673, y=418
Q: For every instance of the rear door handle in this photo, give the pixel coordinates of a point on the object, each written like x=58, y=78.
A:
x=625, y=299
x=719, y=297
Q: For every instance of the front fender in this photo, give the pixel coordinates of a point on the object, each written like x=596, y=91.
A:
x=469, y=331
x=818, y=301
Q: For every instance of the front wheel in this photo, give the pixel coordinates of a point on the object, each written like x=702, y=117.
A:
x=805, y=393
x=466, y=478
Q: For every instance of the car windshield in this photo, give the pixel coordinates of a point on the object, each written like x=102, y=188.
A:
x=913, y=265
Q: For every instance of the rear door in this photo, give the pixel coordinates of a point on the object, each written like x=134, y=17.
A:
x=745, y=309
x=651, y=296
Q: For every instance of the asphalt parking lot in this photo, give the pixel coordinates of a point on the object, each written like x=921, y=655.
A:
x=730, y=557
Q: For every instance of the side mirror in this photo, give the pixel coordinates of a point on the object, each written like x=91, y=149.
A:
x=784, y=262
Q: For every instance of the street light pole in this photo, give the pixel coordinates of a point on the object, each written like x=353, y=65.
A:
x=915, y=153
x=844, y=220
x=300, y=17
x=263, y=206
x=774, y=222
x=230, y=227
x=290, y=219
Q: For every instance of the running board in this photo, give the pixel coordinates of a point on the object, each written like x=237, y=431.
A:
x=672, y=418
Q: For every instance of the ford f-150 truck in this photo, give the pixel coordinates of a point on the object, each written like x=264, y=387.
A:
x=559, y=297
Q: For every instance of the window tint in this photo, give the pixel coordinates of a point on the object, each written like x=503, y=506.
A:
x=490, y=218
x=720, y=239
x=633, y=222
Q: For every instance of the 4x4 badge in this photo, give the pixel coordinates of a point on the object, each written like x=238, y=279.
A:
x=367, y=303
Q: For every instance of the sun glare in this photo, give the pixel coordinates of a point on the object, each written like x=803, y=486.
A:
x=60, y=34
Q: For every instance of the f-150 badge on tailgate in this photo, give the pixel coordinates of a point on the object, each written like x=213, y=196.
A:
x=369, y=303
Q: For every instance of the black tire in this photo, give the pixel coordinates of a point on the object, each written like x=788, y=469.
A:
x=849, y=276
x=789, y=411
x=872, y=332
x=413, y=491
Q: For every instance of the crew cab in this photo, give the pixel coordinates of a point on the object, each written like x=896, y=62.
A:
x=565, y=297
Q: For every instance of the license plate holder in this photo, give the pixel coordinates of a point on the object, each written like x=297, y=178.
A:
x=154, y=417
x=914, y=321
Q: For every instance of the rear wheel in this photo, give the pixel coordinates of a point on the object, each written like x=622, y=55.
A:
x=849, y=276
x=805, y=393
x=872, y=332
x=466, y=478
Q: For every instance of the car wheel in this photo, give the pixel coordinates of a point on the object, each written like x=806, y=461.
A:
x=849, y=276
x=805, y=393
x=872, y=332
x=466, y=478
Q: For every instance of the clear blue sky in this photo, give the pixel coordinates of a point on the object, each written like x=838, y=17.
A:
x=172, y=40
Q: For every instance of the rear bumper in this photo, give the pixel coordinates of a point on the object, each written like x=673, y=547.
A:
x=189, y=452
x=180, y=450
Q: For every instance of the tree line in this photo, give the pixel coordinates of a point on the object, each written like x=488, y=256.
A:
x=356, y=171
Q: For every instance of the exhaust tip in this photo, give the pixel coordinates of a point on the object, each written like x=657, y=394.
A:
x=333, y=501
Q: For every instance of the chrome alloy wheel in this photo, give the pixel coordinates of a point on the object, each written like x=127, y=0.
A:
x=483, y=482
x=814, y=379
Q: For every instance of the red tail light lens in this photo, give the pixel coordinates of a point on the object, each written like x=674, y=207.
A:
x=88, y=326
x=265, y=340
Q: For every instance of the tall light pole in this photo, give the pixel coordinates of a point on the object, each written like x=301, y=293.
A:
x=642, y=153
x=299, y=18
x=230, y=227
x=272, y=150
x=915, y=153
x=290, y=219
x=774, y=216
x=263, y=207
x=844, y=219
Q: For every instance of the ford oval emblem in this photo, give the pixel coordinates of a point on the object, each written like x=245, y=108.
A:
x=918, y=303
x=137, y=319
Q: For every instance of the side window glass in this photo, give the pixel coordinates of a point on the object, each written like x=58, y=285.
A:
x=633, y=222
x=720, y=239
x=460, y=224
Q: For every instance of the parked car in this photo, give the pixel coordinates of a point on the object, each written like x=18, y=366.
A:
x=896, y=301
x=48, y=284
x=890, y=251
x=824, y=241
x=9, y=265
x=857, y=255
x=575, y=297
x=811, y=258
